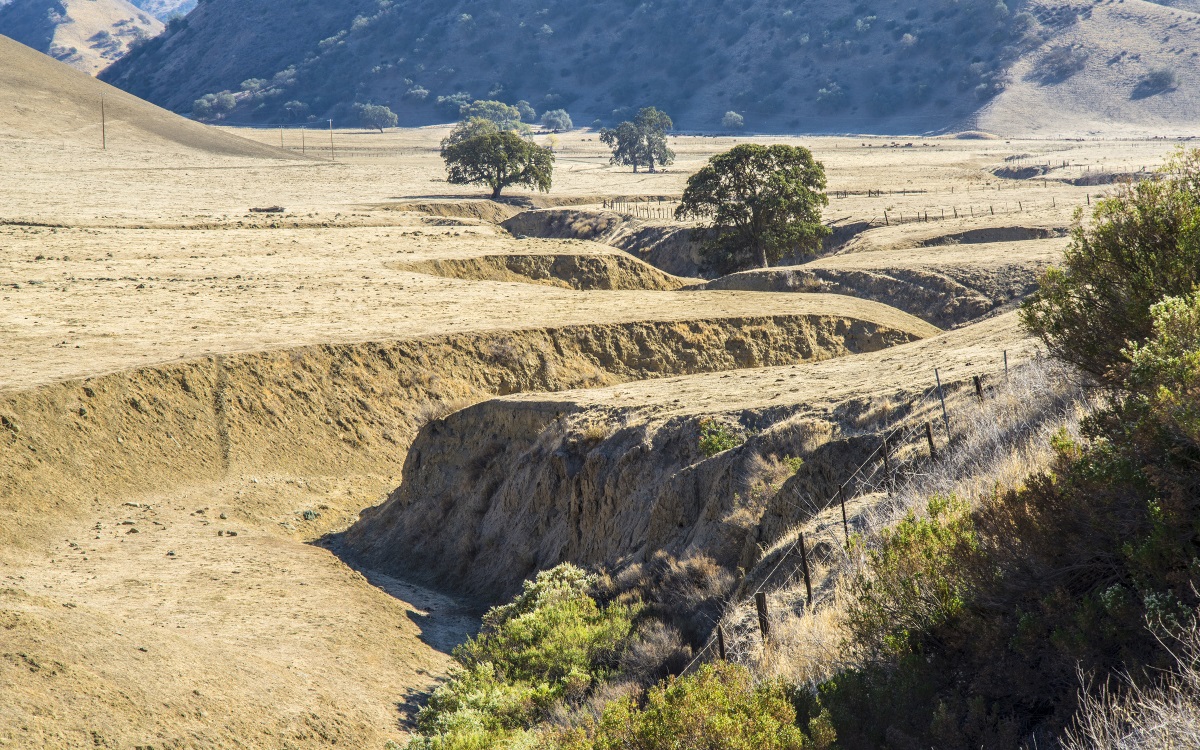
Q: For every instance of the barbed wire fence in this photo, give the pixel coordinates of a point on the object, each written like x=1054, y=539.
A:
x=904, y=453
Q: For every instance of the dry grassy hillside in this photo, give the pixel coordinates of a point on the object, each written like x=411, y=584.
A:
x=1120, y=67
x=193, y=395
x=53, y=103
x=165, y=9
x=87, y=34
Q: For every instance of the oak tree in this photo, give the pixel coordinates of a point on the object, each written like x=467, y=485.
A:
x=763, y=202
x=498, y=160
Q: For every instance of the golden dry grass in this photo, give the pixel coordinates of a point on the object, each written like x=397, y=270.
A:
x=150, y=255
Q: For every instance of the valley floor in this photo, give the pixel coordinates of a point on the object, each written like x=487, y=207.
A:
x=194, y=396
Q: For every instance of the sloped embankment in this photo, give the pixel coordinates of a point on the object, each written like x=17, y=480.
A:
x=671, y=248
x=337, y=410
x=501, y=490
x=575, y=271
x=946, y=298
x=616, y=477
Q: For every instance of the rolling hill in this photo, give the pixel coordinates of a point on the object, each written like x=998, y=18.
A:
x=54, y=103
x=812, y=66
x=87, y=34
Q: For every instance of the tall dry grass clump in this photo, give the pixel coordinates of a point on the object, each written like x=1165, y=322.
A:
x=1129, y=716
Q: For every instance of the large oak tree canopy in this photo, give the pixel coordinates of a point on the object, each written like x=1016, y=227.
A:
x=499, y=160
x=763, y=202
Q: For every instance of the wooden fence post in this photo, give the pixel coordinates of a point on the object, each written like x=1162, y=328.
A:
x=804, y=567
x=887, y=465
x=845, y=523
x=978, y=386
x=942, y=396
x=764, y=625
x=721, y=642
x=929, y=437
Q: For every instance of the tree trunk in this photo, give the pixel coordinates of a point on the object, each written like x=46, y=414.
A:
x=762, y=256
x=496, y=192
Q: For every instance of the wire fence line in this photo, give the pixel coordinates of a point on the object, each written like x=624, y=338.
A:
x=897, y=458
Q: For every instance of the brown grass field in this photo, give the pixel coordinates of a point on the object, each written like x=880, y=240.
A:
x=175, y=367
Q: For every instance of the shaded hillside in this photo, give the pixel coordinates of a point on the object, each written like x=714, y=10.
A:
x=86, y=34
x=811, y=65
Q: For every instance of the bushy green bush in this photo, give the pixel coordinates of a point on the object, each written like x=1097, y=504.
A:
x=718, y=708
x=552, y=643
x=978, y=623
x=717, y=437
x=910, y=584
x=1143, y=245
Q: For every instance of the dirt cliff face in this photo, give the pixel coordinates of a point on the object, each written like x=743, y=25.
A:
x=344, y=409
x=583, y=272
x=502, y=489
x=671, y=248
x=945, y=298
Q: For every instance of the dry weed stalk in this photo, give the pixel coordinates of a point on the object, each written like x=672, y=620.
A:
x=1164, y=716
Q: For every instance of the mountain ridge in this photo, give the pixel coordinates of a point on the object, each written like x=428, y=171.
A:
x=808, y=66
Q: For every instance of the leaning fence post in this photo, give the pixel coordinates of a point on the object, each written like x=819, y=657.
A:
x=929, y=437
x=978, y=386
x=845, y=523
x=1006, y=364
x=942, y=396
x=764, y=625
x=804, y=567
x=887, y=465
x=721, y=642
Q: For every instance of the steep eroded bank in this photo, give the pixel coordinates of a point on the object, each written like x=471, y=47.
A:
x=342, y=410
x=616, y=476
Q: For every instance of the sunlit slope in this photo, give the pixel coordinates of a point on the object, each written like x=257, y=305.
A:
x=49, y=101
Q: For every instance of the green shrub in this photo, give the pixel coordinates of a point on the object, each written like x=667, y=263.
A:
x=910, y=583
x=717, y=708
x=1143, y=245
x=552, y=643
x=978, y=622
x=716, y=437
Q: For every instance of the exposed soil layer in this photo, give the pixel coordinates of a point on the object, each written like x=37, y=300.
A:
x=347, y=409
x=945, y=299
x=669, y=247
x=500, y=490
x=585, y=272
x=946, y=280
